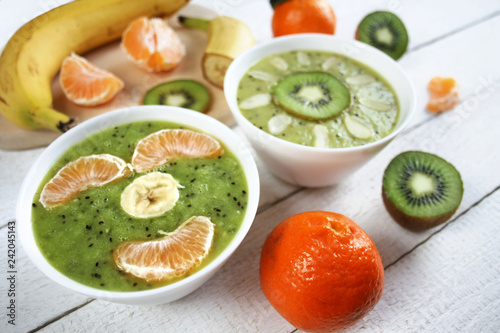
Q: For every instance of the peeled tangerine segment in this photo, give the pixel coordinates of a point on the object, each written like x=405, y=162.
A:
x=152, y=44
x=85, y=84
x=444, y=94
x=81, y=174
x=170, y=256
x=312, y=95
x=157, y=148
x=357, y=128
x=150, y=195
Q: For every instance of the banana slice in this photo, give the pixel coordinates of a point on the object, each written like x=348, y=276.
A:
x=150, y=195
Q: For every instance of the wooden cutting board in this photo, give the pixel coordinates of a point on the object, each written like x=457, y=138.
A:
x=137, y=81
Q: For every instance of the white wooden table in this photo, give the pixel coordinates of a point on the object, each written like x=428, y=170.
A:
x=444, y=280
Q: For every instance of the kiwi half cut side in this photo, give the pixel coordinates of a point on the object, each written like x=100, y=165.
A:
x=187, y=94
x=384, y=31
x=421, y=190
x=312, y=95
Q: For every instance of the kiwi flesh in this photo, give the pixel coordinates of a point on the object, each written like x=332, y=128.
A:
x=384, y=31
x=188, y=94
x=421, y=190
x=312, y=95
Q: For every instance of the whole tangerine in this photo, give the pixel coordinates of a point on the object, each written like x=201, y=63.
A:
x=321, y=271
x=303, y=16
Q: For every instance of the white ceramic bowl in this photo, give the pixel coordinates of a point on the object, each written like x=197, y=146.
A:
x=192, y=119
x=310, y=166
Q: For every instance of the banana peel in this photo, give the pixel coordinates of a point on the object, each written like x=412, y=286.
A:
x=227, y=38
x=33, y=56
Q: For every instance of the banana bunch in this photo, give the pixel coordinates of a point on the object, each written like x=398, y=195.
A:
x=227, y=38
x=33, y=55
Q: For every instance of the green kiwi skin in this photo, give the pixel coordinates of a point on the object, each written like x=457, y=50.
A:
x=416, y=223
x=362, y=37
x=194, y=88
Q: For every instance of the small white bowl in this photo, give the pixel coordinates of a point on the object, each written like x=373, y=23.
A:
x=189, y=118
x=310, y=166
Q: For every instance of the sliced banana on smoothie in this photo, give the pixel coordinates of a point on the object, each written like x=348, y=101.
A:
x=150, y=195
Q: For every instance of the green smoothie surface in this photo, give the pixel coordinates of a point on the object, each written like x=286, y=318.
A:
x=78, y=237
x=372, y=115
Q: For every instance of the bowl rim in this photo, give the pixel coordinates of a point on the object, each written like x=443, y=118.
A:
x=295, y=39
x=53, y=152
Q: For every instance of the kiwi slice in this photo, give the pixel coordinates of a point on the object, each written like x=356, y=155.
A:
x=385, y=31
x=312, y=95
x=187, y=94
x=421, y=190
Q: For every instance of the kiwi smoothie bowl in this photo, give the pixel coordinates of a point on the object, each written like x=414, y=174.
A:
x=317, y=98
x=140, y=205
x=317, y=107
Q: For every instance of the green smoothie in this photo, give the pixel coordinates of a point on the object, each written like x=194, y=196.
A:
x=78, y=237
x=372, y=114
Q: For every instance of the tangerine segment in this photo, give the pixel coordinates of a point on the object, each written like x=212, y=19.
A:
x=158, y=148
x=444, y=94
x=81, y=174
x=171, y=256
x=321, y=271
x=152, y=44
x=85, y=84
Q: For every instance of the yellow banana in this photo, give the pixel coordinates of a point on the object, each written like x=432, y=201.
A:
x=34, y=54
x=227, y=38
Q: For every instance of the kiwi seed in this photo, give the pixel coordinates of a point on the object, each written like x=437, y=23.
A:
x=384, y=31
x=421, y=190
x=312, y=95
x=187, y=94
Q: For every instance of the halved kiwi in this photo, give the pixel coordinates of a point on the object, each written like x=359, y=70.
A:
x=385, y=31
x=421, y=190
x=187, y=94
x=312, y=95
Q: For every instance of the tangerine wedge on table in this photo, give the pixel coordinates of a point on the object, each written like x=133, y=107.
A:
x=171, y=256
x=321, y=271
x=444, y=94
x=85, y=84
x=152, y=44
x=158, y=148
x=302, y=16
x=81, y=174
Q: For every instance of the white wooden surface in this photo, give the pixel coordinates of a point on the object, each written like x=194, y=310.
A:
x=443, y=280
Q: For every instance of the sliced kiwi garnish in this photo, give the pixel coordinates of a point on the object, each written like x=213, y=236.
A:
x=187, y=94
x=385, y=31
x=312, y=95
x=421, y=190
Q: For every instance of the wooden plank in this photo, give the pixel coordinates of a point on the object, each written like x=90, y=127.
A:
x=234, y=296
x=431, y=289
x=37, y=297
